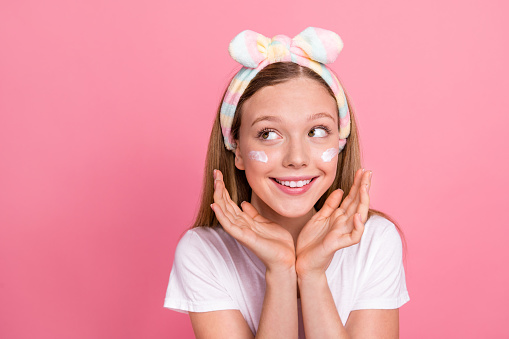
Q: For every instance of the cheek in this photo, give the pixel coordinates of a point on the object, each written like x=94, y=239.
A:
x=326, y=158
x=260, y=156
x=256, y=163
x=329, y=154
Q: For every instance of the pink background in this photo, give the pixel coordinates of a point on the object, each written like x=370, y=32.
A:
x=105, y=112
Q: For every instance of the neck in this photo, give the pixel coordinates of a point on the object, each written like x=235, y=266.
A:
x=292, y=224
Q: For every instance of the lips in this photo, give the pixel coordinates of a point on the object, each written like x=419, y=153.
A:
x=294, y=185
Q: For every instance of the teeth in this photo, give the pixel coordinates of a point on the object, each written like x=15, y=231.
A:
x=299, y=183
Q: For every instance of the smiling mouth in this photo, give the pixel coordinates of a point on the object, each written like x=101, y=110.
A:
x=293, y=183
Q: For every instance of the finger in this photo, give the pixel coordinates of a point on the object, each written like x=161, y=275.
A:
x=363, y=207
x=364, y=184
x=356, y=234
x=350, y=198
x=352, y=238
x=218, y=175
x=231, y=209
x=227, y=224
x=230, y=205
x=219, y=197
x=219, y=189
x=331, y=204
x=252, y=212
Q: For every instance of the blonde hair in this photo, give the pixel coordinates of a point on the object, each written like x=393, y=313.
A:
x=218, y=157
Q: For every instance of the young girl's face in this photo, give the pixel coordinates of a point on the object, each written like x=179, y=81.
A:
x=288, y=146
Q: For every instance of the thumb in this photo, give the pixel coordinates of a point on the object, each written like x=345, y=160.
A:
x=332, y=203
x=251, y=211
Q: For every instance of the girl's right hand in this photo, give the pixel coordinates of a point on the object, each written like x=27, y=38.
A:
x=270, y=242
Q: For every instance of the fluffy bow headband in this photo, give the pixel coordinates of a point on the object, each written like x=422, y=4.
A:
x=312, y=48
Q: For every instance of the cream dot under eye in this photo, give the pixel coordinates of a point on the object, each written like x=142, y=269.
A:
x=258, y=156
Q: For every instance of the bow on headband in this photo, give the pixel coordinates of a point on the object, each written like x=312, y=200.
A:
x=312, y=48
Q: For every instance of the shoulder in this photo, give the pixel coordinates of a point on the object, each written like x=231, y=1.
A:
x=201, y=275
x=205, y=242
x=379, y=239
x=381, y=271
x=379, y=229
x=204, y=235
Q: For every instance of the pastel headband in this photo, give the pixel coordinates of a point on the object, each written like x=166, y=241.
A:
x=312, y=48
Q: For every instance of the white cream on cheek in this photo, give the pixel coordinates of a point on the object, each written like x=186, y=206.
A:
x=258, y=156
x=329, y=154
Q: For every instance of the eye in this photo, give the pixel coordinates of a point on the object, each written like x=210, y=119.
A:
x=268, y=134
x=319, y=132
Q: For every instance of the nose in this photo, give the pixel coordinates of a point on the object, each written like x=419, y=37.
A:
x=296, y=154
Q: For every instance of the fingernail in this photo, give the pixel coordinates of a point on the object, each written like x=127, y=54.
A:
x=367, y=188
x=215, y=173
x=211, y=206
x=370, y=174
x=363, y=170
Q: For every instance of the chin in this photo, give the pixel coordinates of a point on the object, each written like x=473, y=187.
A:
x=294, y=212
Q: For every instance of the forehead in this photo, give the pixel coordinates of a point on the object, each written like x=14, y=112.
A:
x=291, y=101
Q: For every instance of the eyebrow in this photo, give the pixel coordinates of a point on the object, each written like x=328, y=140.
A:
x=320, y=115
x=266, y=118
x=276, y=119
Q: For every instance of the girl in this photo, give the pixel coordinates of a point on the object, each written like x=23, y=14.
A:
x=284, y=244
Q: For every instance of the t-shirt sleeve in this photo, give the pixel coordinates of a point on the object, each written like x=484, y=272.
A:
x=197, y=278
x=384, y=285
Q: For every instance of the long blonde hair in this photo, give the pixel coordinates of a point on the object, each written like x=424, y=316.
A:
x=218, y=157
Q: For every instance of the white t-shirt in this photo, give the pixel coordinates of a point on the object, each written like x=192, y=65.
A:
x=212, y=271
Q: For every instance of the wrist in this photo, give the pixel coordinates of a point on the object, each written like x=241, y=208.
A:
x=308, y=269
x=280, y=271
x=281, y=277
x=311, y=278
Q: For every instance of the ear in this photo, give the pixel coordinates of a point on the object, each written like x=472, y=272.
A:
x=239, y=161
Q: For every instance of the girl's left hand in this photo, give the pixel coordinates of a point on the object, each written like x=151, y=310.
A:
x=333, y=228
